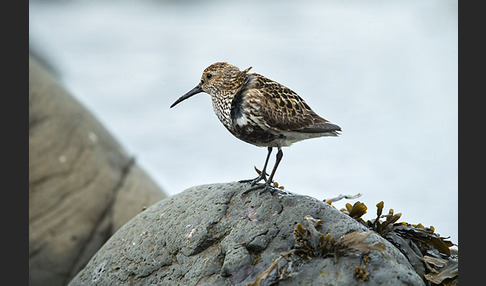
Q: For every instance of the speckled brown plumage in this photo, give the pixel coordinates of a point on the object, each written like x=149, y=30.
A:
x=260, y=111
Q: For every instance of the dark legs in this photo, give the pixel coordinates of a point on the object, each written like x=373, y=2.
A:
x=263, y=174
x=279, y=158
x=268, y=182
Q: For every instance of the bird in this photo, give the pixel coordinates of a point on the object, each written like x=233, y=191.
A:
x=259, y=111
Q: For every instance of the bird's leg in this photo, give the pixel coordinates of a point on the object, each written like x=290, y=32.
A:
x=268, y=185
x=263, y=173
x=279, y=158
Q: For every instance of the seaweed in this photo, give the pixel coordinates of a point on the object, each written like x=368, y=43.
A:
x=310, y=244
x=429, y=254
x=385, y=226
x=341, y=196
x=355, y=211
x=443, y=271
x=264, y=275
x=355, y=241
x=360, y=271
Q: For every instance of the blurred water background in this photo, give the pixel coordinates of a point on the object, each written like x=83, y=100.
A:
x=385, y=71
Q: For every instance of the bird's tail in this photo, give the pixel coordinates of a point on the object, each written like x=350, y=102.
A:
x=327, y=127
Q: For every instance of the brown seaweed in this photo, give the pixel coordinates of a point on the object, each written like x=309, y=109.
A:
x=311, y=243
x=355, y=211
x=443, y=271
x=429, y=254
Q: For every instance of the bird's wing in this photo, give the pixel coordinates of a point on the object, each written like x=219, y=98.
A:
x=282, y=109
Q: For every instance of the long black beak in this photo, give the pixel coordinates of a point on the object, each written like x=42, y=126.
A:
x=192, y=92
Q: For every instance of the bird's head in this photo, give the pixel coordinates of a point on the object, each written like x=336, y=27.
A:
x=219, y=79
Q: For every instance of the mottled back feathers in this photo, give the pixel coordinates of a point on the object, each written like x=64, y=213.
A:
x=279, y=107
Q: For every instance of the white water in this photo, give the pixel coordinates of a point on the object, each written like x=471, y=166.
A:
x=385, y=71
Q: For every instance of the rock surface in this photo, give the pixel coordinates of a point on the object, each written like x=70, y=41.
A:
x=212, y=235
x=82, y=185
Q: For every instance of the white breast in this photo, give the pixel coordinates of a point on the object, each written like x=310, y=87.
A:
x=241, y=121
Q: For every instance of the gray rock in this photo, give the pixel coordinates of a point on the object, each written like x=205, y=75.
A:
x=211, y=235
x=82, y=185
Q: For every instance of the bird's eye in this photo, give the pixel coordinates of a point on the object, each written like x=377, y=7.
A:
x=208, y=76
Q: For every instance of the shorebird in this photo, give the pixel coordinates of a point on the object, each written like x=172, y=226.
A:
x=261, y=112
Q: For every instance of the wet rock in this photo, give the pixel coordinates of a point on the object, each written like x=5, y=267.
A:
x=212, y=235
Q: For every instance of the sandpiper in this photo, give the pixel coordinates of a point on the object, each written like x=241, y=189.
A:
x=259, y=111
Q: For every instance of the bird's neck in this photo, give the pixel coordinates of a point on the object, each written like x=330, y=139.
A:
x=222, y=108
x=222, y=101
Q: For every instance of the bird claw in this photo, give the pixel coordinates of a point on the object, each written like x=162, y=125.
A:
x=267, y=186
x=251, y=181
x=261, y=176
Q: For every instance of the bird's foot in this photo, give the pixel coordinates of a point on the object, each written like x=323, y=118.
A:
x=261, y=176
x=264, y=187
